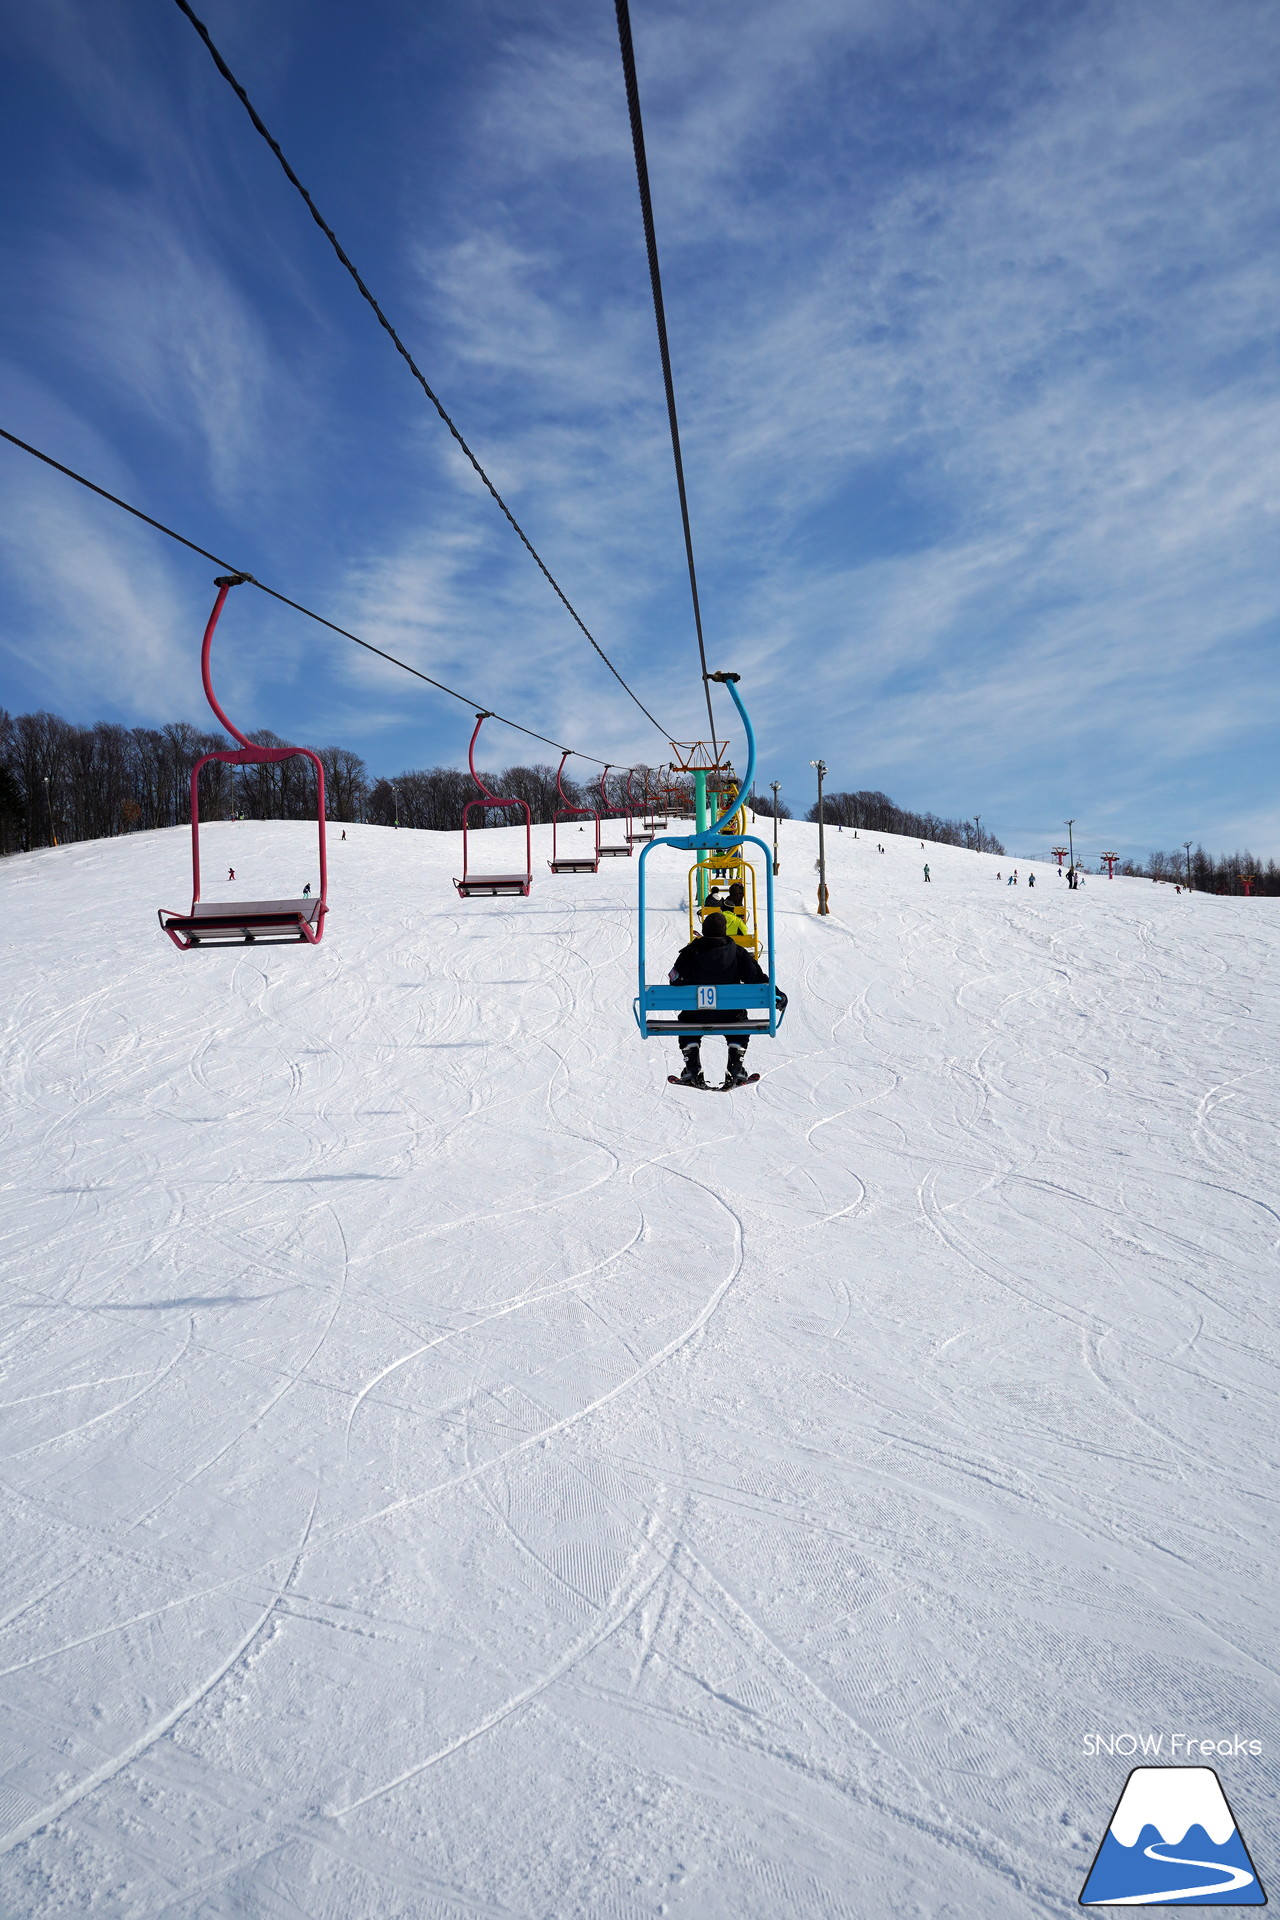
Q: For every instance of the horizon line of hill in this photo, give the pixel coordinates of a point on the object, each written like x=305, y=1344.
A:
x=61, y=782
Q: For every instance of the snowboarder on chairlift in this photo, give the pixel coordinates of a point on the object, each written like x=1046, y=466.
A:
x=735, y=914
x=714, y=960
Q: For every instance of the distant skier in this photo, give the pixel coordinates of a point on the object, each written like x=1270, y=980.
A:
x=714, y=960
x=306, y=891
x=926, y=872
x=344, y=833
x=231, y=873
x=1031, y=879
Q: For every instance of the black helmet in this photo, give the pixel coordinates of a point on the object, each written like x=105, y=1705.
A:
x=714, y=924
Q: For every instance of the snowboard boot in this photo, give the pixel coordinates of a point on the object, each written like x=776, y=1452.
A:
x=736, y=1072
x=692, y=1075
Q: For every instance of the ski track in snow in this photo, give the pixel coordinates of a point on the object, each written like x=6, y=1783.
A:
x=448, y=1471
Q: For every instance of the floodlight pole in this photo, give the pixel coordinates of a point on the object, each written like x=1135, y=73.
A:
x=49, y=804
x=1071, y=844
x=395, y=809
x=977, y=827
x=776, y=785
x=1187, y=845
x=823, y=907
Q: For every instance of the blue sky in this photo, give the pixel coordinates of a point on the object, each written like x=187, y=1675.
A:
x=973, y=322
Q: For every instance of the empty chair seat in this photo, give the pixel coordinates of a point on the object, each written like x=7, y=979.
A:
x=224, y=923
x=491, y=885
x=227, y=923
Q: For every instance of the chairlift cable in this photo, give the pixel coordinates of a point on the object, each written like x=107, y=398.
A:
x=660, y=315
x=275, y=594
x=407, y=357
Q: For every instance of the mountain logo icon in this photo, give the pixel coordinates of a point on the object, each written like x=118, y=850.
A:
x=1172, y=1841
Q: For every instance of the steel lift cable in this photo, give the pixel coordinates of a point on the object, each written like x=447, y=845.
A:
x=407, y=357
x=660, y=315
x=248, y=578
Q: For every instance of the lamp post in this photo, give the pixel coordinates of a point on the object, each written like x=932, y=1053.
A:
x=977, y=827
x=821, y=766
x=1187, y=845
x=395, y=810
x=1071, y=845
x=49, y=804
x=776, y=785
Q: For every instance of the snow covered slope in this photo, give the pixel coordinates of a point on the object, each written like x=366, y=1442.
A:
x=447, y=1471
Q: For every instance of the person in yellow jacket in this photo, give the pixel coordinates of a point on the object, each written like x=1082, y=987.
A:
x=735, y=925
x=735, y=915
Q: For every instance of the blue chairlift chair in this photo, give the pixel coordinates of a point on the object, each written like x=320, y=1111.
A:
x=760, y=1002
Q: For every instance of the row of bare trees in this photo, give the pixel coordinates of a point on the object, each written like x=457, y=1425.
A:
x=876, y=813
x=1238, y=873
x=61, y=782
x=434, y=797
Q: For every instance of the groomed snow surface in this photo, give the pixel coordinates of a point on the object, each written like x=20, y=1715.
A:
x=448, y=1471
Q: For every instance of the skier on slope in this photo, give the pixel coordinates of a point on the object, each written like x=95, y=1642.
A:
x=714, y=960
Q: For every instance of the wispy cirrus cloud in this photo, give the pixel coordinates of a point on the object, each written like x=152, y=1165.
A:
x=971, y=317
x=1041, y=335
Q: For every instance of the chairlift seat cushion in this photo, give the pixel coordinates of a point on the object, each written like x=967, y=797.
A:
x=691, y=1029
x=237, y=910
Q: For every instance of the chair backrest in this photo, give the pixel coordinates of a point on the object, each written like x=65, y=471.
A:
x=488, y=799
x=247, y=755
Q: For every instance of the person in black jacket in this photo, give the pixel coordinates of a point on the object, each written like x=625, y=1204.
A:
x=713, y=960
